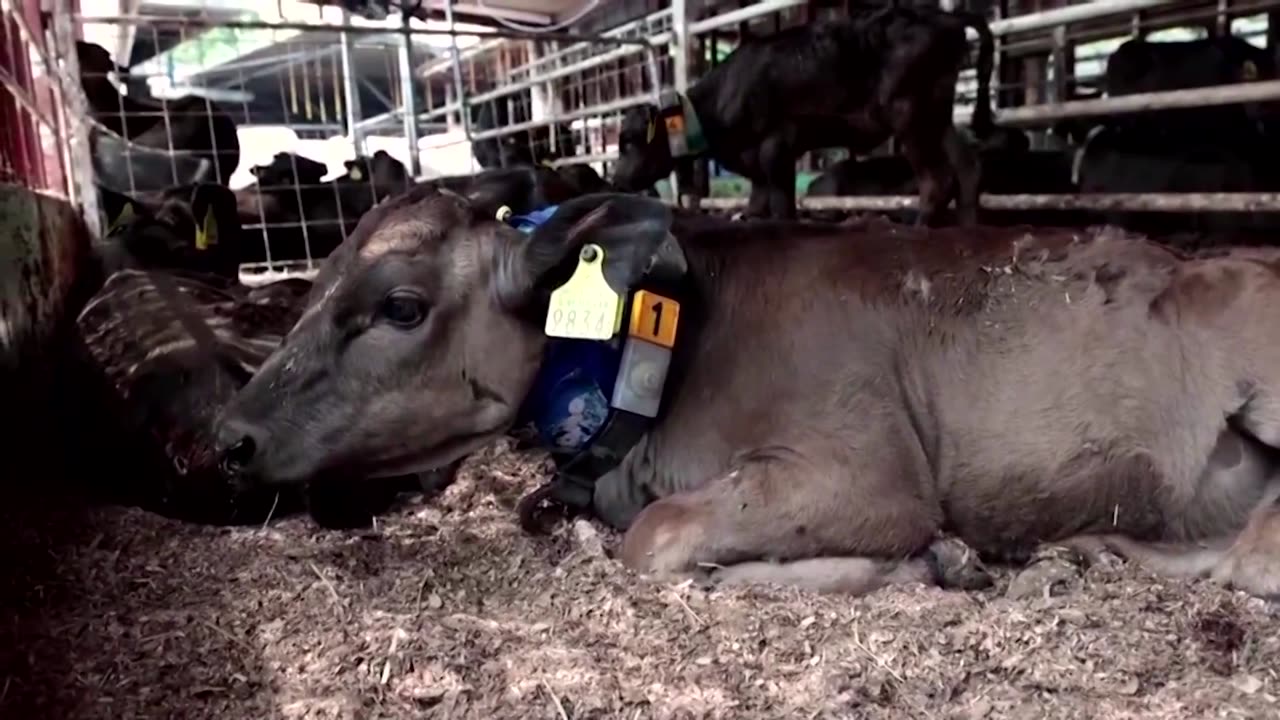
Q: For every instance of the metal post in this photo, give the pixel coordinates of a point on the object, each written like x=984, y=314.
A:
x=1058, y=89
x=350, y=88
x=680, y=72
x=680, y=44
x=410, y=103
x=460, y=91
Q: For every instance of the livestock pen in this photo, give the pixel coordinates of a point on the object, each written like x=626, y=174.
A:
x=435, y=603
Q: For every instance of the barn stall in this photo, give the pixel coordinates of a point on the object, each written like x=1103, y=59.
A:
x=443, y=606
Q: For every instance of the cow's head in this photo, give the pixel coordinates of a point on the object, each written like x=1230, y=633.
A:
x=287, y=169
x=191, y=228
x=95, y=61
x=383, y=170
x=644, y=157
x=422, y=335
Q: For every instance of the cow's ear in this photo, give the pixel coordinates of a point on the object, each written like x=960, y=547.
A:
x=631, y=230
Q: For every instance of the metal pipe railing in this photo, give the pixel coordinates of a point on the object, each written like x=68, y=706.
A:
x=1242, y=202
x=1045, y=113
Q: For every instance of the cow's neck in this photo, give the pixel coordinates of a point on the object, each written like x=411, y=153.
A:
x=587, y=435
x=696, y=108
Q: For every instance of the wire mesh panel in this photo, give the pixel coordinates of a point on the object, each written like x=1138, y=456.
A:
x=265, y=105
x=536, y=101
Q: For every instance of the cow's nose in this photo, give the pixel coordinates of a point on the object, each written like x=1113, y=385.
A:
x=238, y=444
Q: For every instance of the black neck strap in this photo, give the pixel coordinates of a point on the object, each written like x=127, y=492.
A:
x=571, y=490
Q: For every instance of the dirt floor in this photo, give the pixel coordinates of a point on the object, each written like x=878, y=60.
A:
x=448, y=610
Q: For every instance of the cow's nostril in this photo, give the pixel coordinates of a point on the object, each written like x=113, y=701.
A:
x=238, y=456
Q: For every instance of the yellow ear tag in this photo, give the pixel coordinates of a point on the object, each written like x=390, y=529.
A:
x=355, y=173
x=546, y=163
x=1249, y=71
x=126, y=214
x=585, y=307
x=207, y=233
x=650, y=132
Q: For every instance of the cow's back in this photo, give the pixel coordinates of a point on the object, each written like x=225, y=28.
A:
x=1139, y=66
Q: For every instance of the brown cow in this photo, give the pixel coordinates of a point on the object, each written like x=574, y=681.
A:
x=842, y=395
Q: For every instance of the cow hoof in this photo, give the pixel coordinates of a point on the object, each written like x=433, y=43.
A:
x=956, y=566
x=1051, y=573
x=1253, y=563
x=1093, y=550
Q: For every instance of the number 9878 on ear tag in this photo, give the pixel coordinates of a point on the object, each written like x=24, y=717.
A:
x=585, y=307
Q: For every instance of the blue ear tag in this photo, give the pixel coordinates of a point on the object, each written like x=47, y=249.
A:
x=526, y=223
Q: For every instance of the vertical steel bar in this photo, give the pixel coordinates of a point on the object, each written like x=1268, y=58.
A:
x=349, y=86
x=460, y=92
x=406, y=96
x=680, y=70
x=257, y=186
x=81, y=172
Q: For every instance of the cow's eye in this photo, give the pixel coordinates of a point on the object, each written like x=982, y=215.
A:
x=404, y=309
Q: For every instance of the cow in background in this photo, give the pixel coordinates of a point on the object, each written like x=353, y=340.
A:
x=297, y=209
x=1228, y=148
x=1141, y=66
x=882, y=72
x=195, y=127
x=525, y=147
x=192, y=228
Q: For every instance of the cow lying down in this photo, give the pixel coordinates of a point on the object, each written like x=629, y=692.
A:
x=163, y=352
x=839, y=397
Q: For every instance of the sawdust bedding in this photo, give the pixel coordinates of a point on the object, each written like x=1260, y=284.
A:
x=446, y=609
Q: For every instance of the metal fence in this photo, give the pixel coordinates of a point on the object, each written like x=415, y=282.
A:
x=563, y=99
x=446, y=99
x=34, y=151
x=325, y=87
x=1054, y=54
x=293, y=79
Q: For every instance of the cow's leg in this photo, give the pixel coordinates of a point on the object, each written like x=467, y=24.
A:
x=758, y=203
x=933, y=173
x=967, y=167
x=1250, y=561
x=779, y=162
x=867, y=513
x=947, y=562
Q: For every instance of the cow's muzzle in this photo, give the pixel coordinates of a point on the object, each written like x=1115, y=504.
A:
x=238, y=448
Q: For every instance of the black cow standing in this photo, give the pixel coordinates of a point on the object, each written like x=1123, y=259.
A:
x=855, y=82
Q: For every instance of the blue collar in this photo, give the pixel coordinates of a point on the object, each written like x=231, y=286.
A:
x=569, y=400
